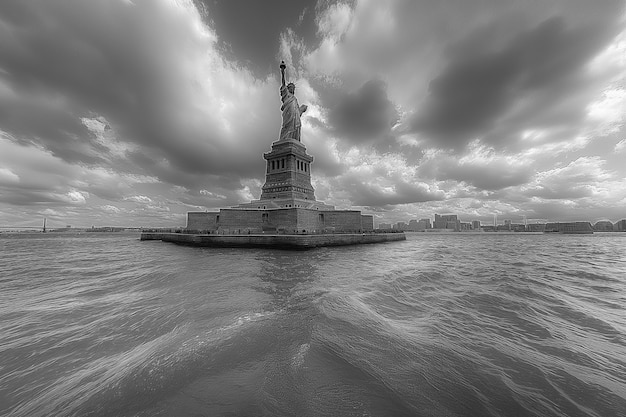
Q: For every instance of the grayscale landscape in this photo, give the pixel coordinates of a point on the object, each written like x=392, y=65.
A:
x=312, y=208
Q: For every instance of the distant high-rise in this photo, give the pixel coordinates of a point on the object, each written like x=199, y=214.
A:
x=447, y=221
x=425, y=223
x=400, y=226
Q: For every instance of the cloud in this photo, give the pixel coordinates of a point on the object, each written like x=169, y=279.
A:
x=212, y=195
x=608, y=113
x=109, y=104
x=364, y=114
x=149, y=69
x=8, y=177
x=380, y=181
x=110, y=209
x=76, y=197
x=485, y=100
x=334, y=21
x=141, y=199
x=46, y=179
x=480, y=167
x=371, y=193
x=581, y=178
x=537, y=79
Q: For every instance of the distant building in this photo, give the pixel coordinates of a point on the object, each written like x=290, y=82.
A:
x=535, y=227
x=400, y=226
x=465, y=226
x=426, y=223
x=603, y=226
x=511, y=227
x=418, y=225
x=476, y=224
x=447, y=221
x=620, y=226
x=569, y=228
x=384, y=226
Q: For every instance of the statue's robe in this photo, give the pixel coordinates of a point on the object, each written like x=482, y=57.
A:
x=291, y=115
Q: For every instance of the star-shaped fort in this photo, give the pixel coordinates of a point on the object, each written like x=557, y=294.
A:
x=287, y=214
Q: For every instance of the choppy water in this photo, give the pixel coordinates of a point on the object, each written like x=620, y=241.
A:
x=439, y=325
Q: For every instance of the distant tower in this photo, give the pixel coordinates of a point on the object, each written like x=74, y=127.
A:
x=44, y=225
x=495, y=220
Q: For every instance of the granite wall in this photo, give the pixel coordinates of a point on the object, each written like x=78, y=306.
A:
x=283, y=220
x=274, y=241
x=204, y=220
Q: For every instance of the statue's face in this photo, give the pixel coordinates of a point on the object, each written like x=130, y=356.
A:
x=291, y=89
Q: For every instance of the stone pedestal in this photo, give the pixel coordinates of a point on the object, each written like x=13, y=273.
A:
x=288, y=172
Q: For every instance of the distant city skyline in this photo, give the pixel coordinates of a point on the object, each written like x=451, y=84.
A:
x=133, y=113
x=453, y=222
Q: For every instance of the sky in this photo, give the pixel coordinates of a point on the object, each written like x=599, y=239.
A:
x=134, y=112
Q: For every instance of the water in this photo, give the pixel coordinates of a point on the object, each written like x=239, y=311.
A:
x=440, y=325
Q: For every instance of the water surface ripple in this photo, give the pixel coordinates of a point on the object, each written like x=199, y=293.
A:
x=100, y=324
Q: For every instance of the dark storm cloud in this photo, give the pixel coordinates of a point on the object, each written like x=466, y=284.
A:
x=143, y=66
x=66, y=52
x=26, y=197
x=363, y=192
x=488, y=174
x=31, y=118
x=172, y=175
x=239, y=21
x=365, y=114
x=538, y=70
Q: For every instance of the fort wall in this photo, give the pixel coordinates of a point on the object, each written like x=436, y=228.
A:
x=297, y=242
x=202, y=220
x=279, y=220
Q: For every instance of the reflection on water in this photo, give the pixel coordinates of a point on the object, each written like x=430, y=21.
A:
x=289, y=277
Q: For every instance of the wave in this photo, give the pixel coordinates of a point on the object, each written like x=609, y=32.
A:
x=489, y=355
x=440, y=325
x=132, y=380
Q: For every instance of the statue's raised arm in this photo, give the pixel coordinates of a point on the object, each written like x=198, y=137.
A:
x=290, y=128
x=282, y=71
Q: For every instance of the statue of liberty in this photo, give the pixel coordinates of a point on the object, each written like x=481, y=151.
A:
x=290, y=128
